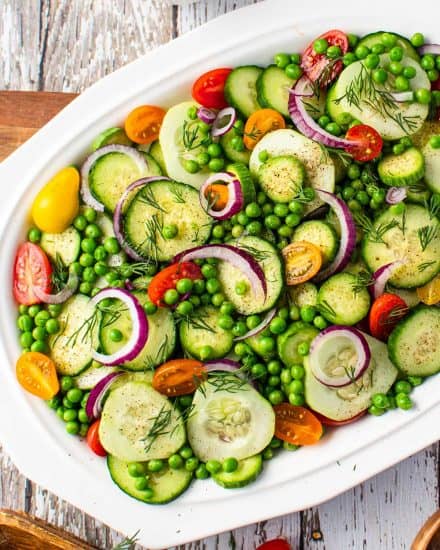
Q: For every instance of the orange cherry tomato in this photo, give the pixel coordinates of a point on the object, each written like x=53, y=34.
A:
x=37, y=374
x=209, y=88
x=93, y=440
x=367, y=142
x=302, y=261
x=385, y=313
x=314, y=64
x=217, y=195
x=167, y=279
x=275, y=544
x=429, y=294
x=296, y=425
x=143, y=123
x=259, y=124
x=178, y=377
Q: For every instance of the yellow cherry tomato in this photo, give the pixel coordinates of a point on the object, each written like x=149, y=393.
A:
x=57, y=203
x=430, y=293
x=37, y=374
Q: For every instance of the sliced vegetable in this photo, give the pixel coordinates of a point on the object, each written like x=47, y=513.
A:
x=296, y=425
x=302, y=260
x=282, y=178
x=402, y=170
x=259, y=124
x=208, y=89
x=221, y=200
x=385, y=313
x=395, y=195
x=247, y=471
x=321, y=234
x=93, y=440
x=168, y=278
x=260, y=327
x=336, y=423
x=241, y=89
x=37, y=374
x=206, y=115
x=318, y=66
x=297, y=334
x=366, y=143
x=429, y=294
x=64, y=246
x=98, y=394
x=382, y=275
x=142, y=125
x=179, y=377
x=32, y=270
x=223, y=122
x=111, y=136
x=62, y=295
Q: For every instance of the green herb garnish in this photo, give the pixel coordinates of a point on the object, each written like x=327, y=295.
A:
x=374, y=234
x=426, y=235
x=128, y=543
x=421, y=267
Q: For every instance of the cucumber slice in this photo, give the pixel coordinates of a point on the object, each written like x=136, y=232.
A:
x=161, y=334
x=432, y=167
x=248, y=470
x=202, y=329
x=165, y=203
x=333, y=108
x=177, y=144
x=320, y=170
x=340, y=302
x=153, y=166
x=420, y=265
x=268, y=258
x=241, y=171
x=92, y=375
x=281, y=178
x=156, y=152
x=402, y=170
x=224, y=424
x=231, y=153
x=71, y=348
x=288, y=342
x=340, y=168
x=167, y=485
x=145, y=376
x=105, y=224
x=348, y=401
x=65, y=245
x=273, y=87
x=321, y=234
x=109, y=137
x=374, y=38
x=410, y=297
x=305, y=294
x=418, y=193
x=241, y=89
x=130, y=413
x=414, y=345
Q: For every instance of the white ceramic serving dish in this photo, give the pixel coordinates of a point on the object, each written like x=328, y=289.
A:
x=33, y=435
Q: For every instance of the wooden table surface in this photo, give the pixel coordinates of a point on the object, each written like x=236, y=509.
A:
x=66, y=45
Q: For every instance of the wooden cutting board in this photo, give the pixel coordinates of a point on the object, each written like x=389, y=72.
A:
x=23, y=113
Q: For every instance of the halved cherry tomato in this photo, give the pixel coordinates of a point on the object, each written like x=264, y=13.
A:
x=296, y=425
x=217, y=196
x=302, y=261
x=385, y=313
x=167, y=279
x=259, y=124
x=31, y=269
x=178, y=377
x=367, y=142
x=429, y=294
x=143, y=123
x=275, y=544
x=209, y=89
x=93, y=440
x=329, y=422
x=315, y=63
x=37, y=374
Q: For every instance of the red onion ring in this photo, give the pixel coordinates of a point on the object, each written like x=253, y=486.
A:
x=63, y=295
x=348, y=234
x=235, y=196
x=221, y=364
x=86, y=193
x=260, y=327
x=430, y=48
x=206, y=115
x=395, y=195
x=381, y=276
x=97, y=394
x=139, y=331
x=219, y=126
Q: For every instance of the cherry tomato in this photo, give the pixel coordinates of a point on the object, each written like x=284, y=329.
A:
x=37, y=374
x=275, y=544
x=178, y=377
x=259, y=124
x=143, y=123
x=31, y=269
x=329, y=422
x=217, y=195
x=385, y=313
x=296, y=425
x=367, y=142
x=315, y=63
x=209, y=89
x=429, y=294
x=168, y=277
x=302, y=261
x=93, y=440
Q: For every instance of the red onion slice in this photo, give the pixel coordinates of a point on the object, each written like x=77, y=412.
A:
x=381, y=276
x=235, y=256
x=348, y=234
x=117, y=216
x=97, y=394
x=395, y=195
x=259, y=328
x=221, y=364
x=330, y=358
x=430, y=48
x=63, y=295
x=139, y=331
x=224, y=121
x=235, y=201
x=86, y=193
x=401, y=97
x=206, y=115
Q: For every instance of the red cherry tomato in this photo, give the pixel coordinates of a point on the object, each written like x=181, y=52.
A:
x=168, y=277
x=93, y=440
x=275, y=544
x=208, y=89
x=31, y=269
x=367, y=142
x=315, y=63
x=329, y=422
x=385, y=313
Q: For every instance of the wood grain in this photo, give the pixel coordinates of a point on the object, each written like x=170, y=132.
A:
x=67, y=45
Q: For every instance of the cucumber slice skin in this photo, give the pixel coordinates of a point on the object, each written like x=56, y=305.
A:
x=92, y=375
x=414, y=344
x=373, y=38
x=245, y=178
x=194, y=337
x=155, y=151
x=432, y=167
x=405, y=245
x=109, y=137
x=345, y=403
x=339, y=303
x=248, y=470
x=167, y=484
x=402, y=170
x=281, y=178
x=273, y=87
x=418, y=195
x=320, y=234
x=230, y=152
x=274, y=273
x=241, y=89
x=66, y=245
x=287, y=343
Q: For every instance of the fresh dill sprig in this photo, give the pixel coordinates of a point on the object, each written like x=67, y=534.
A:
x=177, y=193
x=160, y=425
x=138, y=269
x=197, y=229
x=363, y=280
x=87, y=329
x=396, y=313
x=350, y=372
x=150, y=362
x=374, y=233
x=60, y=273
x=326, y=309
x=302, y=195
x=421, y=267
x=190, y=136
x=433, y=207
x=258, y=255
x=226, y=381
x=196, y=322
x=343, y=156
x=128, y=543
x=426, y=235
x=147, y=197
x=254, y=134
x=153, y=230
x=311, y=109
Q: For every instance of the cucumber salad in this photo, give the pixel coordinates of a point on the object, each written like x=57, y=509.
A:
x=225, y=280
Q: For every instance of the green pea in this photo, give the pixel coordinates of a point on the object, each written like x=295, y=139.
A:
x=80, y=223
x=90, y=214
x=296, y=399
x=281, y=60
x=423, y=96
x=89, y=275
x=372, y=61
x=34, y=235
x=263, y=156
x=272, y=221
x=74, y=395
x=292, y=220
x=362, y=197
x=25, y=323
x=199, y=285
x=183, y=286
x=409, y=72
x=86, y=288
x=320, y=323
x=54, y=403
x=237, y=143
x=376, y=411
x=115, y=335
x=398, y=208
x=380, y=76
x=213, y=466
x=274, y=367
x=428, y=62
x=378, y=48
x=281, y=210
x=285, y=376
x=354, y=206
x=191, y=464
x=361, y=52
x=195, y=300
x=141, y=483
x=215, y=150
x=237, y=231
x=230, y=464
x=296, y=386
x=433, y=75
x=267, y=344
x=294, y=313
x=402, y=84
x=52, y=326
x=403, y=401
x=296, y=207
x=70, y=415
x=241, y=287
x=202, y=472
x=253, y=210
x=85, y=399
x=388, y=40
x=333, y=128
x=398, y=148
x=111, y=245
x=206, y=352
x=82, y=416
x=243, y=218
x=239, y=329
x=216, y=165
x=170, y=231
x=22, y=309
x=209, y=271
x=348, y=193
x=307, y=313
x=191, y=166
x=66, y=383
x=379, y=195
x=285, y=231
x=276, y=397
x=353, y=171
x=171, y=296
x=253, y=321
x=267, y=209
x=60, y=413
x=258, y=370
x=417, y=39
x=320, y=45
x=86, y=259
x=39, y=333
x=303, y=348
x=218, y=232
x=100, y=268
x=323, y=120
x=283, y=312
x=380, y=400
x=349, y=58
x=186, y=452
x=92, y=231
x=88, y=245
x=72, y=428
x=203, y=159
x=415, y=380
x=155, y=465
x=295, y=58
x=241, y=349
x=396, y=53
x=213, y=285
x=333, y=52
x=254, y=228
x=175, y=462
x=402, y=387
x=34, y=309
x=293, y=71
x=136, y=469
